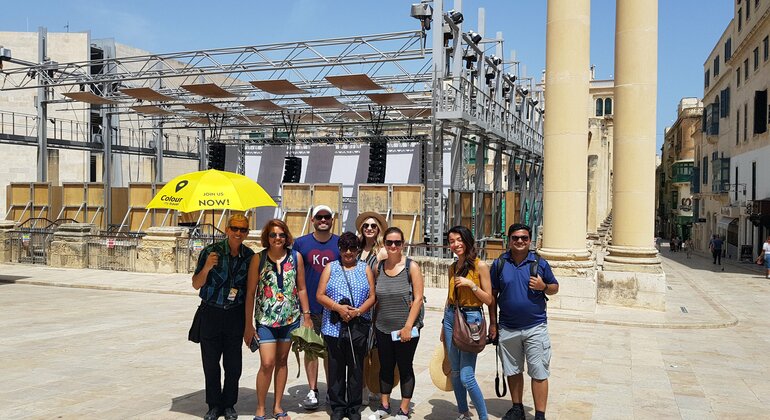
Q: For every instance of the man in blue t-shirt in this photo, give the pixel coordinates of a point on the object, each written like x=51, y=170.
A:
x=318, y=249
x=523, y=331
x=715, y=244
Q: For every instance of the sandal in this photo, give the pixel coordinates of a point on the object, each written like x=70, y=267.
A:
x=259, y=418
x=282, y=415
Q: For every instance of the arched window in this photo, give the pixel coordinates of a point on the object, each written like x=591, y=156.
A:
x=608, y=106
x=599, y=107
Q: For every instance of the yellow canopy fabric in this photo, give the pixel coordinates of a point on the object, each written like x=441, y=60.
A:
x=211, y=190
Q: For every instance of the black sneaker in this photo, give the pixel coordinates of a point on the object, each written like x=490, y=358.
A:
x=231, y=414
x=515, y=413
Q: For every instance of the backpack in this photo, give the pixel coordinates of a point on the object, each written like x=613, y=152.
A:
x=421, y=316
x=497, y=270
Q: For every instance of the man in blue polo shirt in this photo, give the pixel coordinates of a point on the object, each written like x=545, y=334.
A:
x=523, y=330
x=221, y=278
x=318, y=248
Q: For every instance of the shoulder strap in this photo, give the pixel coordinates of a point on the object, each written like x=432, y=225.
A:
x=408, y=274
x=534, y=266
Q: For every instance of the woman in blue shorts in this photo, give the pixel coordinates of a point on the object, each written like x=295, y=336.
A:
x=276, y=300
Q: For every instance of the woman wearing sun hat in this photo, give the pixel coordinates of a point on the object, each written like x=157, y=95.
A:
x=370, y=226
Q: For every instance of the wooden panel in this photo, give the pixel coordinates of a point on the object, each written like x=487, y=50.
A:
x=139, y=194
x=404, y=221
x=41, y=194
x=407, y=199
x=329, y=195
x=353, y=82
x=168, y=215
x=119, y=203
x=20, y=193
x=205, y=108
x=486, y=209
x=146, y=94
x=135, y=220
x=494, y=247
x=88, y=97
x=95, y=194
x=296, y=197
x=278, y=87
x=55, y=197
x=373, y=197
x=72, y=213
x=512, y=209
x=295, y=220
x=96, y=216
x=42, y=211
x=209, y=90
x=73, y=194
x=329, y=102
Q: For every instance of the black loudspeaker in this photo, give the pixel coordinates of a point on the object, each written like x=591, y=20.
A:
x=292, y=169
x=217, y=153
x=378, y=155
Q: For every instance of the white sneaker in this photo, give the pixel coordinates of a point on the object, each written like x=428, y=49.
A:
x=311, y=401
x=380, y=413
x=464, y=417
x=401, y=416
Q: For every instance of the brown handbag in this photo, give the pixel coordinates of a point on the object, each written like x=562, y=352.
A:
x=470, y=339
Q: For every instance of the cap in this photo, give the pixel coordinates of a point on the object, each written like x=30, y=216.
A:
x=318, y=209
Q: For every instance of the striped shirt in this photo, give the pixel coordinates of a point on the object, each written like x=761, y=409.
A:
x=393, y=300
x=229, y=273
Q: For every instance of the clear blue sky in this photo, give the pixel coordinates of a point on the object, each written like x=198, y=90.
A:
x=688, y=29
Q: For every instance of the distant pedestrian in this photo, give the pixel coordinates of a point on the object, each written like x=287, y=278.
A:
x=765, y=256
x=688, y=247
x=715, y=245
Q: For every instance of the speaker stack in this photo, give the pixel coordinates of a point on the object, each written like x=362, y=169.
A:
x=217, y=152
x=292, y=169
x=378, y=152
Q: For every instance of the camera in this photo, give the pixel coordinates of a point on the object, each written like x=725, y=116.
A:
x=334, y=317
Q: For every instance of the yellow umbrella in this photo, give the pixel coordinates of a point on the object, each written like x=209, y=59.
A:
x=210, y=190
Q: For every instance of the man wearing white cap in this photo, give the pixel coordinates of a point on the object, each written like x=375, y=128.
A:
x=318, y=249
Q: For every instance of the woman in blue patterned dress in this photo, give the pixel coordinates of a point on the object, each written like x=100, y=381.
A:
x=346, y=291
x=276, y=300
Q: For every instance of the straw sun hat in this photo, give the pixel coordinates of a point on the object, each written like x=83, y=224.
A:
x=440, y=368
x=372, y=372
x=374, y=215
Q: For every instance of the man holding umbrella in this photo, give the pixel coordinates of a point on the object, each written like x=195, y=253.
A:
x=221, y=278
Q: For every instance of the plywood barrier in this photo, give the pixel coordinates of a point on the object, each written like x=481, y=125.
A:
x=330, y=195
x=374, y=197
x=487, y=227
x=298, y=199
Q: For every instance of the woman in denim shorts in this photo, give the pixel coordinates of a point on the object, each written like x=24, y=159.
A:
x=276, y=300
x=470, y=288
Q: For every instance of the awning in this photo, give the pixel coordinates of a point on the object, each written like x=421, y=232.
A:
x=724, y=222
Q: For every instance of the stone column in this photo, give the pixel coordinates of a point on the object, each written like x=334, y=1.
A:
x=565, y=152
x=633, y=274
x=156, y=252
x=69, y=247
x=6, y=226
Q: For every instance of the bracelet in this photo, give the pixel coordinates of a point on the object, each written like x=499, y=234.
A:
x=305, y=312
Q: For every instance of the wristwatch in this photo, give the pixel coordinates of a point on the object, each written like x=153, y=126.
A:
x=474, y=288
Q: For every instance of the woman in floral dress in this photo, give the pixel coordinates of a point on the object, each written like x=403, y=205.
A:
x=276, y=300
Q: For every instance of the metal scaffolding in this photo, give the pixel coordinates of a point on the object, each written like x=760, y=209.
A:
x=340, y=90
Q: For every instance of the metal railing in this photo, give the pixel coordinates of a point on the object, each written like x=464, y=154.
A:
x=189, y=248
x=31, y=240
x=110, y=251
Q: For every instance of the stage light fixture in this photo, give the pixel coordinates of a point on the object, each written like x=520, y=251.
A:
x=424, y=13
x=475, y=38
x=455, y=16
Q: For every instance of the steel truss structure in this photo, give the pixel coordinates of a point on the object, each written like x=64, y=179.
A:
x=359, y=89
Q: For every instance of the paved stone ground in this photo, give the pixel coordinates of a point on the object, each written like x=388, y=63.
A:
x=100, y=344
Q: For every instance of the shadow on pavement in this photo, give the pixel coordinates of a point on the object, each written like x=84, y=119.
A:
x=194, y=403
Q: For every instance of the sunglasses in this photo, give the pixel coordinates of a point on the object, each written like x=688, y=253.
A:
x=369, y=226
x=388, y=242
x=244, y=230
x=351, y=249
x=274, y=235
x=515, y=238
x=323, y=217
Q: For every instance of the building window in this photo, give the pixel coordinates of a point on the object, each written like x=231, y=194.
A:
x=765, y=49
x=740, y=19
x=746, y=69
x=756, y=4
x=599, y=107
x=736, y=184
x=706, y=79
x=738, y=77
x=745, y=122
x=716, y=66
x=738, y=131
x=705, y=168
x=753, y=181
x=728, y=48
x=608, y=106
x=760, y=105
x=724, y=96
x=756, y=58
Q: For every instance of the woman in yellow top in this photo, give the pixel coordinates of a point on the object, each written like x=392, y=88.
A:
x=469, y=289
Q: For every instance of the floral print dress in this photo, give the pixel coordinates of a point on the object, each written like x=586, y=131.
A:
x=277, y=294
